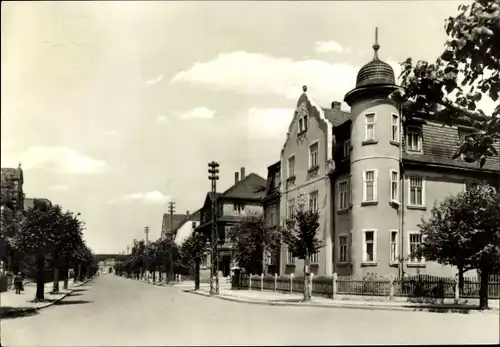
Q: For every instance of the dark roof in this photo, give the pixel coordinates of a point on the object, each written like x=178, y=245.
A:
x=252, y=187
x=375, y=72
x=229, y=218
x=440, y=143
x=195, y=216
x=271, y=173
x=336, y=117
x=178, y=220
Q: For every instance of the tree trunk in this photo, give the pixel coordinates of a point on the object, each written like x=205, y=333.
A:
x=55, y=282
x=461, y=281
x=66, y=276
x=483, y=290
x=40, y=278
x=307, y=295
x=197, y=274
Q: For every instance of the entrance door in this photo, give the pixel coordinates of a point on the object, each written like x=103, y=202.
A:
x=110, y=270
x=226, y=265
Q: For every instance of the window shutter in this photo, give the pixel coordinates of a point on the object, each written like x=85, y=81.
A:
x=375, y=188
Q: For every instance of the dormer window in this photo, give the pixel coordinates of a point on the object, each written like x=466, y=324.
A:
x=302, y=114
x=347, y=148
x=303, y=124
x=414, y=139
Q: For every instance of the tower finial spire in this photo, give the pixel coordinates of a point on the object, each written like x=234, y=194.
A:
x=376, y=46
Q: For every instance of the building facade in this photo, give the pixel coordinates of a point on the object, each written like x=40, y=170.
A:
x=186, y=228
x=271, y=206
x=372, y=176
x=232, y=206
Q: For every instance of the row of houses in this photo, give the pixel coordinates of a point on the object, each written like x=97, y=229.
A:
x=13, y=203
x=371, y=176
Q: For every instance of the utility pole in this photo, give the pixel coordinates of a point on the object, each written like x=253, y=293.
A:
x=214, y=269
x=146, y=231
x=171, y=208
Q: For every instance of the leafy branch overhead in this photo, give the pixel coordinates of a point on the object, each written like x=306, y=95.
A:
x=448, y=90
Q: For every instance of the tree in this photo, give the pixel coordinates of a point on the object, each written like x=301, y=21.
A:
x=464, y=231
x=67, y=238
x=300, y=235
x=36, y=238
x=470, y=68
x=192, y=254
x=252, y=240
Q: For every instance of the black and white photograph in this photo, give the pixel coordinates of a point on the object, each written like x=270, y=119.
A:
x=260, y=173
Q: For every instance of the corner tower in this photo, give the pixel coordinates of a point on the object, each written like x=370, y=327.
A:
x=374, y=162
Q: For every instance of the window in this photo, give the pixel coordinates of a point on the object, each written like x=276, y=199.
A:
x=463, y=133
x=413, y=139
x=291, y=166
x=269, y=258
x=302, y=124
x=415, y=240
x=416, y=191
x=239, y=207
x=193, y=225
x=276, y=180
x=369, y=246
x=343, y=195
x=347, y=148
x=395, y=128
x=289, y=257
x=370, y=185
x=313, y=155
x=291, y=208
x=394, y=185
x=313, y=201
x=343, y=242
x=271, y=219
x=315, y=258
x=394, y=247
x=370, y=126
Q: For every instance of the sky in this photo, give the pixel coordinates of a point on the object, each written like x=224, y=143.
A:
x=115, y=108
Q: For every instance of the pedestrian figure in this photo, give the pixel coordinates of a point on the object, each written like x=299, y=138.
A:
x=18, y=283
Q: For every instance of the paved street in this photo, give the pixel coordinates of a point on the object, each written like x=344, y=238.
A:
x=119, y=311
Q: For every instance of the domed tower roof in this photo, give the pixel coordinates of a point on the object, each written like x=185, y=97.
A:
x=376, y=71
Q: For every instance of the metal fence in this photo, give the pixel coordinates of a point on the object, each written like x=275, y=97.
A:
x=419, y=286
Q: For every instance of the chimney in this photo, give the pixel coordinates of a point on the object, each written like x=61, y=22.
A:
x=236, y=177
x=336, y=106
x=242, y=173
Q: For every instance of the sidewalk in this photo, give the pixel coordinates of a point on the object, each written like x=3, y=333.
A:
x=13, y=304
x=279, y=299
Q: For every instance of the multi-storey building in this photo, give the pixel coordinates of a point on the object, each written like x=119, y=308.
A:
x=271, y=205
x=372, y=177
x=232, y=206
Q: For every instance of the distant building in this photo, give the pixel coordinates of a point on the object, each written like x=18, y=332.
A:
x=186, y=228
x=271, y=205
x=107, y=262
x=232, y=206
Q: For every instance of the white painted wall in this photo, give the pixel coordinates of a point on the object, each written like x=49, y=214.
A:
x=185, y=231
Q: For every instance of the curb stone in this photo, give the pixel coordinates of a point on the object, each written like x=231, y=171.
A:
x=25, y=311
x=354, y=307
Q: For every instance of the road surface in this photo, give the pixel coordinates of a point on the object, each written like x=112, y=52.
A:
x=119, y=311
